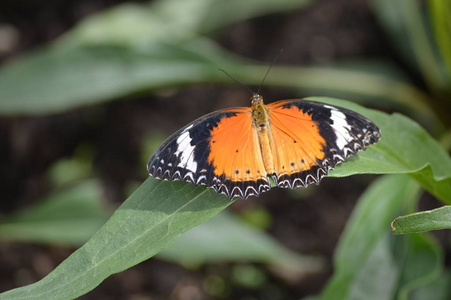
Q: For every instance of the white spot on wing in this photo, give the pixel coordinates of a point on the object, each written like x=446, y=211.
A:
x=185, y=150
x=341, y=128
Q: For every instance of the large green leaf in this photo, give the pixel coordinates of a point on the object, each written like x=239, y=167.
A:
x=74, y=214
x=406, y=148
x=153, y=217
x=138, y=48
x=375, y=83
x=227, y=238
x=371, y=264
x=68, y=217
x=439, y=289
x=409, y=31
x=58, y=79
x=376, y=278
x=169, y=20
x=159, y=212
x=128, y=51
x=419, y=259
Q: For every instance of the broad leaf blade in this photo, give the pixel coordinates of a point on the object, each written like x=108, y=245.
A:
x=153, y=217
x=74, y=214
x=404, y=147
x=138, y=48
x=50, y=80
x=227, y=238
x=222, y=13
x=170, y=21
x=439, y=289
x=419, y=258
x=159, y=212
x=367, y=226
x=69, y=217
x=376, y=278
x=368, y=258
x=408, y=28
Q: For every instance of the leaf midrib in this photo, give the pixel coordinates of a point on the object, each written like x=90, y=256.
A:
x=59, y=287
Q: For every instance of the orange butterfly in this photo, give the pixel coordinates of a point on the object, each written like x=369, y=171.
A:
x=236, y=150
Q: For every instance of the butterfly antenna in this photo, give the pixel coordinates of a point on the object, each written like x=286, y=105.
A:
x=269, y=69
x=236, y=80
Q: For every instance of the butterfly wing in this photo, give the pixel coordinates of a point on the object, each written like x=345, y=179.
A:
x=219, y=150
x=309, y=138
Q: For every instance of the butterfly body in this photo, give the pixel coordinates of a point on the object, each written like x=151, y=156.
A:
x=261, y=125
x=236, y=150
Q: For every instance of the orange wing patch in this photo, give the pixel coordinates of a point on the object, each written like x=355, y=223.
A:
x=234, y=149
x=296, y=142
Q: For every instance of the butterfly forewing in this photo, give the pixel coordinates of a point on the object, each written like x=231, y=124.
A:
x=219, y=150
x=316, y=137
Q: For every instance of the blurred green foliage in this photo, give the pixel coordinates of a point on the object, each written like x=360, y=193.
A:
x=140, y=48
x=372, y=264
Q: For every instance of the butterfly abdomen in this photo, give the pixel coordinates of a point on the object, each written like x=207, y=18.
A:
x=260, y=123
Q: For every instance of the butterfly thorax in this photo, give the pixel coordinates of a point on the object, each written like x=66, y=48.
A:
x=259, y=113
x=260, y=122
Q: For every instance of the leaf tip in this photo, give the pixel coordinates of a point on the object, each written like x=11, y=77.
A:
x=393, y=228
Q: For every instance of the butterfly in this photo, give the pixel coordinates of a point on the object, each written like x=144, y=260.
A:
x=236, y=151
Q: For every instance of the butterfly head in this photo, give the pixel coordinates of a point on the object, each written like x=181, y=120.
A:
x=256, y=99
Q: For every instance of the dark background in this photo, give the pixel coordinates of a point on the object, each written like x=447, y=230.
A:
x=327, y=31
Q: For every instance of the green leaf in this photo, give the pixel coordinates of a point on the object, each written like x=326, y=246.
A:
x=372, y=264
x=404, y=148
x=72, y=216
x=365, y=230
x=396, y=268
x=420, y=259
x=159, y=212
x=51, y=80
x=133, y=54
x=439, y=289
x=377, y=277
x=152, y=218
x=169, y=21
x=409, y=31
x=222, y=13
x=436, y=219
x=393, y=20
x=68, y=217
x=375, y=83
x=227, y=238
x=131, y=51
x=68, y=170
x=440, y=12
